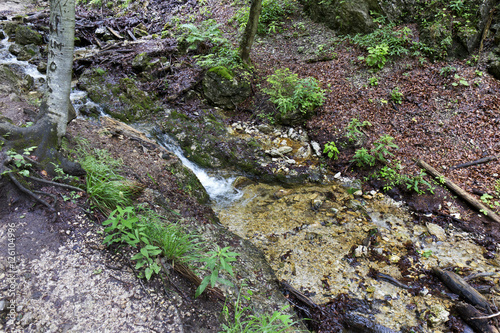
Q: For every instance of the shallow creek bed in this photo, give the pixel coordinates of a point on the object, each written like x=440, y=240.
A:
x=326, y=242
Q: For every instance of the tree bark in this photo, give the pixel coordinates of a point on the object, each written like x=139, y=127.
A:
x=60, y=62
x=250, y=31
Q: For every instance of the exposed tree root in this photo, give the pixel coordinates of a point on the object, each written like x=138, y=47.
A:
x=29, y=192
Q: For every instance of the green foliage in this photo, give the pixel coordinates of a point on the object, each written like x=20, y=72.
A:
x=353, y=132
x=216, y=261
x=273, y=13
x=246, y=320
x=459, y=81
x=290, y=93
x=376, y=55
x=124, y=228
x=363, y=159
x=208, y=33
x=396, y=96
x=416, y=182
x=488, y=200
x=445, y=71
x=396, y=41
x=105, y=187
x=20, y=163
x=331, y=150
x=373, y=81
x=381, y=147
x=175, y=243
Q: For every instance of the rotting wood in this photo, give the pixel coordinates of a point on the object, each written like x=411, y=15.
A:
x=459, y=191
x=303, y=298
x=460, y=287
x=470, y=315
x=476, y=162
x=114, y=33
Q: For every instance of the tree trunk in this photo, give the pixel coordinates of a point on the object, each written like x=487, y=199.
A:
x=250, y=31
x=60, y=62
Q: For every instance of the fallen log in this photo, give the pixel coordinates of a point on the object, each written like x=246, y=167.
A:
x=476, y=162
x=459, y=191
x=460, y=287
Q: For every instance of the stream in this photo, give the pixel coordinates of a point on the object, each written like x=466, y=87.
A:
x=332, y=239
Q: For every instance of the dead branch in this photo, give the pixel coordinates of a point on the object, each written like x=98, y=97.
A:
x=488, y=317
x=459, y=191
x=469, y=313
x=476, y=162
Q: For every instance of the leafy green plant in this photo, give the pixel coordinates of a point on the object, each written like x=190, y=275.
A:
x=416, y=182
x=445, y=71
x=377, y=55
x=208, y=33
x=124, y=227
x=373, y=81
x=290, y=93
x=353, y=132
x=362, y=158
x=105, y=187
x=381, y=147
x=396, y=96
x=331, y=150
x=487, y=199
x=217, y=260
x=20, y=163
x=460, y=81
x=246, y=320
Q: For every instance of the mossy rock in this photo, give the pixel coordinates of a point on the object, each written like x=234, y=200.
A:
x=344, y=16
x=225, y=88
x=25, y=35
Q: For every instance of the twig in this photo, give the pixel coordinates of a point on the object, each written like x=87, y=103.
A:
x=488, y=317
x=479, y=161
x=69, y=187
x=476, y=275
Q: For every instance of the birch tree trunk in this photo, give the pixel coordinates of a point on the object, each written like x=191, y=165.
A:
x=250, y=31
x=60, y=62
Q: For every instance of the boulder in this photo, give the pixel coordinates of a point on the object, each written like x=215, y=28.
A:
x=493, y=64
x=345, y=16
x=25, y=35
x=224, y=88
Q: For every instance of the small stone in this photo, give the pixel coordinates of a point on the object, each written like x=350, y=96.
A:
x=285, y=150
x=337, y=175
x=358, y=193
x=360, y=251
x=316, y=147
x=437, y=231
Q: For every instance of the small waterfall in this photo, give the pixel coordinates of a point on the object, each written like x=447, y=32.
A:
x=219, y=188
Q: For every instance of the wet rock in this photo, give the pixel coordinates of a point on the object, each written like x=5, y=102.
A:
x=224, y=88
x=89, y=110
x=493, y=63
x=438, y=315
x=25, y=35
x=285, y=150
x=304, y=152
x=140, y=62
x=437, y=231
x=264, y=128
x=10, y=28
x=42, y=67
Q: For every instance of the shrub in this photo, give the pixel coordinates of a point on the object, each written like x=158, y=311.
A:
x=290, y=93
x=331, y=150
x=353, y=132
x=376, y=56
x=396, y=96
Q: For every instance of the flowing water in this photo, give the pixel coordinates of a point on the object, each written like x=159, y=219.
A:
x=325, y=241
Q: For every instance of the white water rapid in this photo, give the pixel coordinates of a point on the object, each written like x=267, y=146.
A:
x=219, y=188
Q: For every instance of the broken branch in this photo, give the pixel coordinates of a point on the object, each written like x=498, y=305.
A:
x=476, y=162
x=459, y=191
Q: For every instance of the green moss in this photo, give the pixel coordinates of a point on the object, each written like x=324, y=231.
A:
x=222, y=72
